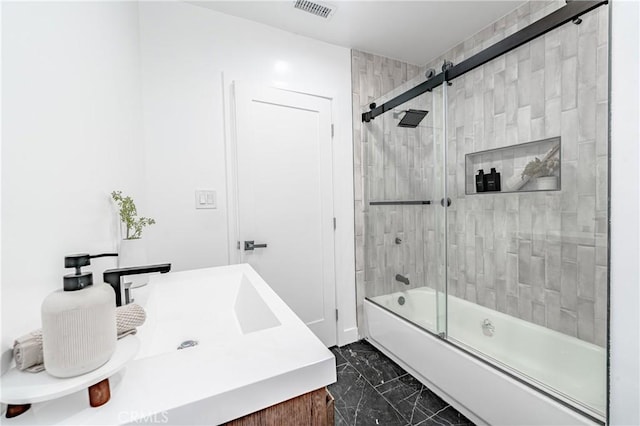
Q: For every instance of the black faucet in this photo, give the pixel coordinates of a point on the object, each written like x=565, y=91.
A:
x=402, y=279
x=112, y=276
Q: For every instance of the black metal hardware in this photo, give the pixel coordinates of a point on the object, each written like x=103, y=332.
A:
x=576, y=21
x=80, y=279
x=399, y=203
x=83, y=259
x=426, y=86
x=446, y=65
x=93, y=256
x=570, y=12
x=542, y=26
x=412, y=118
x=429, y=73
x=402, y=279
x=448, y=202
x=250, y=245
x=112, y=276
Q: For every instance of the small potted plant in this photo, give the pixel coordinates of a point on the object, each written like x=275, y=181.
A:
x=131, y=251
x=129, y=216
x=542, y=173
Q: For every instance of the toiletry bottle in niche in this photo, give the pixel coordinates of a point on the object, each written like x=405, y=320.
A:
x=78, y=323
x=492, y=180
x=496, y=179
x=480, y=181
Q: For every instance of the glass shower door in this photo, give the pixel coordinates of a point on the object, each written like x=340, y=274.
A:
x=403, y=217
x=441, y=206
x=486, y=222
x=527, y=237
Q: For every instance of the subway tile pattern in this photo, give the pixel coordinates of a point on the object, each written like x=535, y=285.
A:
x=373, y=390
x=541, y=257
x=372, y=77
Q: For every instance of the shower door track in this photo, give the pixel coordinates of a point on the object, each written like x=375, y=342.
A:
x=567, y=13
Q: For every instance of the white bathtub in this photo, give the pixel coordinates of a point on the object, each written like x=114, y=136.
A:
x=569, y=369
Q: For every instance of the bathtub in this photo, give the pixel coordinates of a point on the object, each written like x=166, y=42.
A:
x=569, y=373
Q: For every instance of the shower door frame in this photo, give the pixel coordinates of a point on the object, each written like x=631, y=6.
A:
x=567, y=13
x=571, y=11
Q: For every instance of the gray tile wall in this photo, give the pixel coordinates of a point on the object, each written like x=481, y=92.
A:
x=372, y=77
x=541, y=257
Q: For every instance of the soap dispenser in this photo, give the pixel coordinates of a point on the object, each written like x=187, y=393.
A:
x=78, y=322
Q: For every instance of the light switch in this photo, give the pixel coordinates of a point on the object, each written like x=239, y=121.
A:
x=205, y=199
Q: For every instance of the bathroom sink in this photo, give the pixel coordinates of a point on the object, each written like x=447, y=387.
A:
x=202, y=311
x=243, y=349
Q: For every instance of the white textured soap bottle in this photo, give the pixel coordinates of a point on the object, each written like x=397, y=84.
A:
x=78, y=323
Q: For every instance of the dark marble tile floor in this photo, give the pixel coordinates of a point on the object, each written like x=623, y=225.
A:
x=373, y=390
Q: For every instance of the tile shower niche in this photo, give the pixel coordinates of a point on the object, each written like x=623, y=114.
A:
x=530, y=166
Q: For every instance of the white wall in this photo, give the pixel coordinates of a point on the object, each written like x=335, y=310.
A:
x=184, y=50
x=184, y=150
x=625, y=214
x=71, y=134
x=72, y=115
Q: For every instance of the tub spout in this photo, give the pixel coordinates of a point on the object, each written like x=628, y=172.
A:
x=402, y=279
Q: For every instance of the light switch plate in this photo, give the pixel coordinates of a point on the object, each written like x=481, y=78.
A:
x=205, y=199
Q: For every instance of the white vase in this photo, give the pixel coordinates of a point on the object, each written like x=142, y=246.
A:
x=133, y=253
x=546, y=183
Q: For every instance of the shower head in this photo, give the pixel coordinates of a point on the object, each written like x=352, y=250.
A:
x=412, y=118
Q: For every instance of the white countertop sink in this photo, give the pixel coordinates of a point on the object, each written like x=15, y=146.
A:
x=209, y=310
x=252, y=352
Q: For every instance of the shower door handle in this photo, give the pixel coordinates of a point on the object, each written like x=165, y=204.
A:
x=250, y=245
x=448, y=202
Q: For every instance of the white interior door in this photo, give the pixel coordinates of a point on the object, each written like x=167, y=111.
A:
x=285, y=199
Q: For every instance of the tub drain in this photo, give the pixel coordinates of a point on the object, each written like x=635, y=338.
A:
x=188, y=344
x=401, y=300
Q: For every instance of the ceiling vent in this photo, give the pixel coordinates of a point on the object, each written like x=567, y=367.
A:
x=321, y=10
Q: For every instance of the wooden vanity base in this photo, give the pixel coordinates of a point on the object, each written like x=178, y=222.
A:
x=100, y=393
x=313, y=409
x=16, y=410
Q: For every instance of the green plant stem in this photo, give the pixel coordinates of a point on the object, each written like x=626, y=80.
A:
x=128, y=216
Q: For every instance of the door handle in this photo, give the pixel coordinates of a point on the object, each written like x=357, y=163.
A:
x=250, y=245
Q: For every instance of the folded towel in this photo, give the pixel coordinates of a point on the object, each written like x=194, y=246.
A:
x=128, y=317
x=27, y=349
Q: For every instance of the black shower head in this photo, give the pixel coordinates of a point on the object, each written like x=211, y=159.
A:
x=412, y=118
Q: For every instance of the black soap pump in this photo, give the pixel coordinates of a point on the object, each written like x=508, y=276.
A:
x=480, y=181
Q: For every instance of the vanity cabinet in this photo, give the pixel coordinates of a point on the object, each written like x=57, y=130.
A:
x=314, y=409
